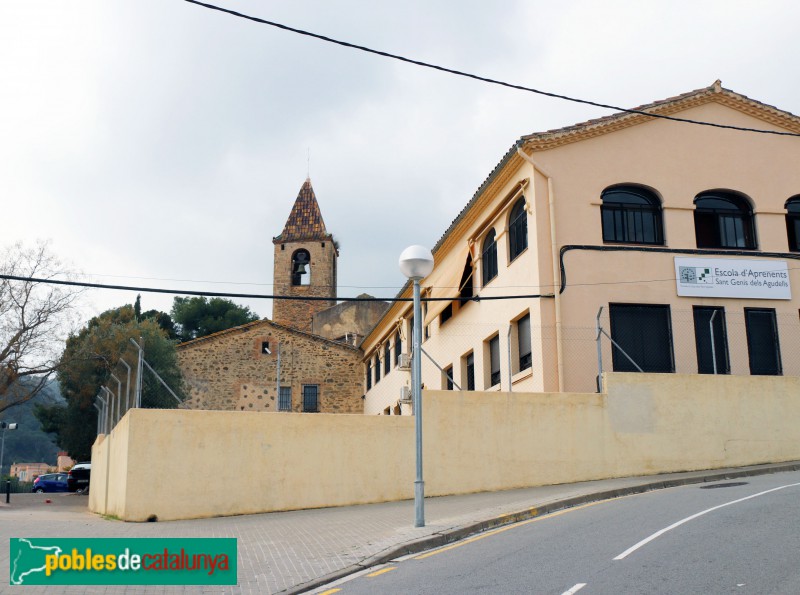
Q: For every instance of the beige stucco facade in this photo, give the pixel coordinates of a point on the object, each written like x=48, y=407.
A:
x=474, y=441
x=561, y=175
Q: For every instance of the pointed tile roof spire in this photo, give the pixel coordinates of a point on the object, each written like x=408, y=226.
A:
x=305, y=221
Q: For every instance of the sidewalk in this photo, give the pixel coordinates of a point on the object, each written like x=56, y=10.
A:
x=292, y=552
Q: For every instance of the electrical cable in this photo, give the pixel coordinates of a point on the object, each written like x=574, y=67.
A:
x=262, y=296
x=486, y=79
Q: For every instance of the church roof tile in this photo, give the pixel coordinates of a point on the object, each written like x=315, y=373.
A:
x=305, y=221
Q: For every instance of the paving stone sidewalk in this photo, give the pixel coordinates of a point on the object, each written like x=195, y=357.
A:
x=291, y=552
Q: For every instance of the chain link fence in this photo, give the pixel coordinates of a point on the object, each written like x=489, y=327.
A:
x=624, y=338
x=133, y=383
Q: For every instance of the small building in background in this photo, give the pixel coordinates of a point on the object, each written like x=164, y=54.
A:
x=64, y=462
x=29, y=471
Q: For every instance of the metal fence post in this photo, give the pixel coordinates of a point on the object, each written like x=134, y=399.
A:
x=119, y=397
x=139, y=372
x=127, y=385
x=510, y=374
x=599, y=342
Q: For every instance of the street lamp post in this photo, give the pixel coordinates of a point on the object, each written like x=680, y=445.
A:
x=416, y=263
x=5, y=426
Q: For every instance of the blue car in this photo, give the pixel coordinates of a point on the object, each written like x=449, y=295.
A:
x=50, y=482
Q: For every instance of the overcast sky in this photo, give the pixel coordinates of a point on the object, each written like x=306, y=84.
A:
x=159, y=143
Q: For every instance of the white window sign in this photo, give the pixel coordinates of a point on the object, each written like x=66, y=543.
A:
x=718, y=277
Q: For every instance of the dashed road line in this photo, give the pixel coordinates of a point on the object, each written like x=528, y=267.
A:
x=381, y=571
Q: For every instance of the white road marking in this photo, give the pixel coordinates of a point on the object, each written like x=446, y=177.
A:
x=657, y=534
x=574, y=589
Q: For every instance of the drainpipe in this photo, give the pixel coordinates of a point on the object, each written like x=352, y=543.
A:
x=554, y=253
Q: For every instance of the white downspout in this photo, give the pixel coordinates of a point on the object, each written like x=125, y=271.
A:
x=554, y=252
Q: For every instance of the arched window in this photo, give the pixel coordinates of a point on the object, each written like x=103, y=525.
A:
x=793, y=223
x=723, y=220
x=301, y=267
x=489, y=257
x=631, y=215
x=517, y=229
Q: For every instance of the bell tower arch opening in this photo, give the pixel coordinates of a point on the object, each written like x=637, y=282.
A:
x=301, y=267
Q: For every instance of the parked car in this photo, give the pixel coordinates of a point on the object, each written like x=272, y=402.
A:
x=78, y=477
x=50, y=482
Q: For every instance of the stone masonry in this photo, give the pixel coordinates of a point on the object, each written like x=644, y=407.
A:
x=304, y=231
x=231, y=370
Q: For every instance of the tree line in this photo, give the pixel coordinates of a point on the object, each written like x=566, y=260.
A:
x=41, y=338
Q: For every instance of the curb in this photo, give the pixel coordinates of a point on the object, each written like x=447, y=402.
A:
x=458, y=533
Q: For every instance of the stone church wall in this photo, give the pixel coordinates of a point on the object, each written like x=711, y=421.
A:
x=230, y=371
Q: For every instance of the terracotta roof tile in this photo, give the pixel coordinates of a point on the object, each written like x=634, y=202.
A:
x=305, y=221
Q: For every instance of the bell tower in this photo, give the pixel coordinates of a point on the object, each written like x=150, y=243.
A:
x=304, y=264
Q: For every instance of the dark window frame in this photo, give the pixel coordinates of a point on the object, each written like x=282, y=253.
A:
x=489, y=269
x=525, y=358
x=387, y=358
x=446, y=314
x=377, y=367
x=517, y=230
x=631, y=215
x=398, y=348
x=466, y=291
x=634, y=336
x=469, y=366
x=494, y=361
x=702, y=335
x=724, y=220
x=756, y=352
x=284, y=400
x=310, y=399
x=369, y=373
x=792, y=207
x=448, y=378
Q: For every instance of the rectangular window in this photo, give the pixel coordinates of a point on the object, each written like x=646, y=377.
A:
x=369, y=374
x=377, y=369
x=468, y=365
x=631, y=223
x=494, y=361
x=644, y=333
x=398, y=347
x=711, y=338
x=285, y=399
x=447, y=376
x=762, y=341
x=310, y=398
x=524, y=342
x=446, y=314
x=387, y=358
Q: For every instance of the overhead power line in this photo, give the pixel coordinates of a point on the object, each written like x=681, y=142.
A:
x=259, y=296
x=483, y=78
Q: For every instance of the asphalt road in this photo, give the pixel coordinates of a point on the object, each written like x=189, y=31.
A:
x=737, y=536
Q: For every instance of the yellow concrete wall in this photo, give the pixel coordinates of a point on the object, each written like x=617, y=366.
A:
x=185, y=464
